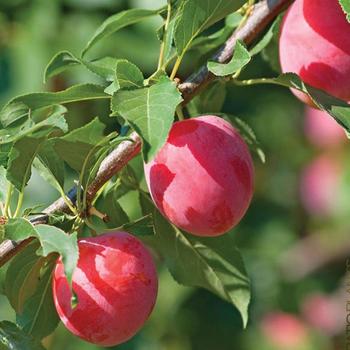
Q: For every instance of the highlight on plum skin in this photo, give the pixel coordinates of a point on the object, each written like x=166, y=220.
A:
x=315, y=44
x=116, y=287
x=202, y=178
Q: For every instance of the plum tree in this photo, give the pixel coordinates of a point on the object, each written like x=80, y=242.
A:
x=202, y=178
x=322, y=130
x=116, y=287
x=315, y=44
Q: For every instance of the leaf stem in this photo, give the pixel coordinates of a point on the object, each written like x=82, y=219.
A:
x=176, y=66
x=162, y=45
x=7, y=209
x=179, y=113
x=19, y=203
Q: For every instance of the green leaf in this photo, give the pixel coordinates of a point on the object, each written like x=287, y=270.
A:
x=345, y=5
x=13, y=338
x=268, y=38
x=59, y=63
x=20, y=106
x=211, y=263
x=4, y=154
x=338, y=109
x=127, y=75
x=197, y=15
x=22, y=276
x=241, y=57
x=52, y=240
x=39, y=317
x=150, y=111
x=45, y=126
x=3, y=184
x=113, y=209
x=117, y=22
x=140, y=227
x=50, y=166
x=81, y=140
x=20, y=160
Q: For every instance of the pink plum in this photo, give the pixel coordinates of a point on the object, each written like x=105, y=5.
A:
x=315, y=44
x=322, y=130
x=116, y=287
x=320, y=185
x=323, y=313
x=284, y=331
x=202, y=178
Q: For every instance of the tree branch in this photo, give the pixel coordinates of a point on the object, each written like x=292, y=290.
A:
x=263, y=13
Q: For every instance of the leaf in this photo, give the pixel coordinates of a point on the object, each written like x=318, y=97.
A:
x=13, y=338
x=117, y=22
x=50, y=166
x=4, y=154
x=39, y=317
x=113, y=209
x=19, y=106
x=338, y=109
x=140, y=227
x=20, y=160
x=52, y=240
x=345, y=5
x=3, y=184
x=150, y=111
x=59, y=63
x=81, y=140
x=127, y=75
x=53, y=122
x=241, y=57
x=197, y=15
x=211, y=263
x=22, y=276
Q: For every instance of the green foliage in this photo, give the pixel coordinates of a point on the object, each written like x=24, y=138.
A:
x=117, y=22
x=150, y=111
x=197, y=15
x=12, y=338
x=39, y=317
x=214, y=264
x=240, y=58
x=52, y=240
x=346, y=8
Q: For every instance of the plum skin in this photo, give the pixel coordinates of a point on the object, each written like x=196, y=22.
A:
x=116, y=286
x=315, y=44
x=201, y=180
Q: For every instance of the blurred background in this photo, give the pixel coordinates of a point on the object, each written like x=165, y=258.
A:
x=294, y=238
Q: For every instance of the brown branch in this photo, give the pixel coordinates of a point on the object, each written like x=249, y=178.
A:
x=263, y=13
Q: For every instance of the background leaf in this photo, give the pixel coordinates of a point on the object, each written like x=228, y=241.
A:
x=117, y=22
x=345, y=4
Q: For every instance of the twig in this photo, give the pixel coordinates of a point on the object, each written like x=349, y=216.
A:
x=262, y=14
